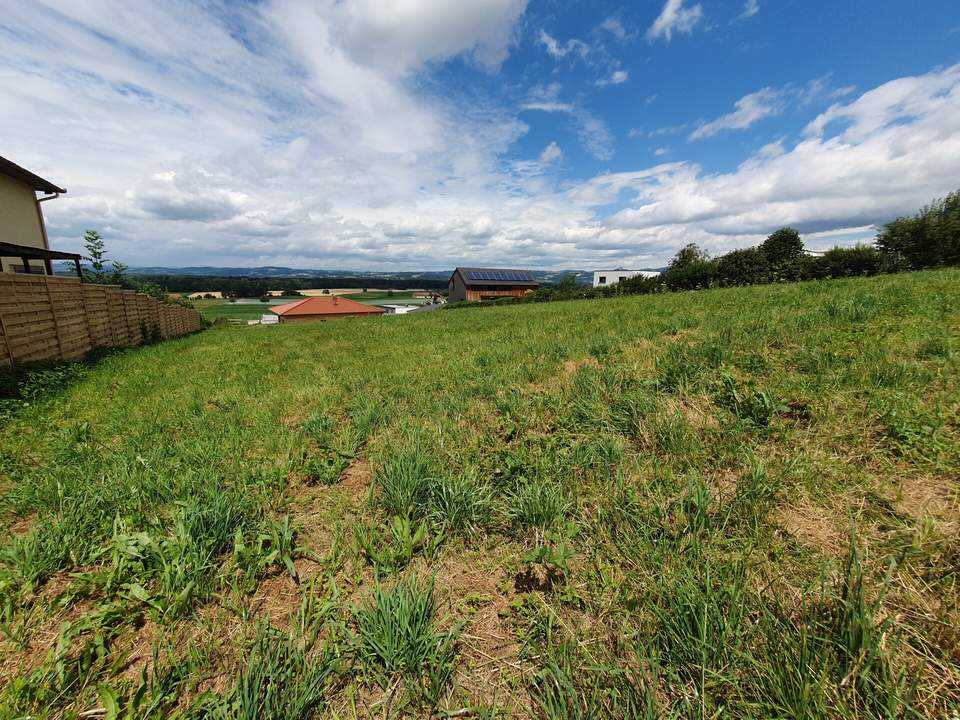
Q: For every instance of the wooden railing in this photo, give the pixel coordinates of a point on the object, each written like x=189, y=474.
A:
x=46, y=318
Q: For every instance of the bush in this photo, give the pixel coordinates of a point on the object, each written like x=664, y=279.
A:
x=849, y=262
x=743, y=267
x=694, y=276
x=931, y=238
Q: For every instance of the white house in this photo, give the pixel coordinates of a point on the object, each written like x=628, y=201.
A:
x=612, y=277
x=398, y=309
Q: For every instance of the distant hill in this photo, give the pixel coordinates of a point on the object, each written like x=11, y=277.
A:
x=271, y=271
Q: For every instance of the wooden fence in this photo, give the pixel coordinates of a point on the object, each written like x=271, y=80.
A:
x=45, y=318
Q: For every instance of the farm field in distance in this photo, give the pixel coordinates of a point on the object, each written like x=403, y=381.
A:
x=724, y=503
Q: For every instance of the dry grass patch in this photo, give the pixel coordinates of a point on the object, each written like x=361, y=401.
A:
x=824, y=530
x=936, y=495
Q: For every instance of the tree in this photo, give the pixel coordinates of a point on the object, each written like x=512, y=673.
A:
x=567, y=283
x=119, y=273
x=782, y=247
x=688, y=255
x=97, y=257
x=690, y=268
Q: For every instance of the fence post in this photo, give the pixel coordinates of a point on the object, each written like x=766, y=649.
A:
x=53, y=312
x=6, y=341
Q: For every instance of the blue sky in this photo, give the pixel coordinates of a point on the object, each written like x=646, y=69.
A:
x=424, y=134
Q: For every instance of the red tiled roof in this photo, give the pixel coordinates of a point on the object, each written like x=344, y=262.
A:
x=327, y=305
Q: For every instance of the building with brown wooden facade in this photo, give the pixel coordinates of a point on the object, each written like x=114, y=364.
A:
x=490, y=283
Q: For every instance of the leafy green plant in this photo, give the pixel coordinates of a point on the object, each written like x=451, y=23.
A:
x=553, y=554
x=755, y=406
x=391, y=546
x=273, y=544
x=325, y=468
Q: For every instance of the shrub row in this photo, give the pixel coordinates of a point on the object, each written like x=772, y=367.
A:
x=929, y=239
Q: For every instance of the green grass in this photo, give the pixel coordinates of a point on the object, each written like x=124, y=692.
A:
x=250, y=309
x=723, y=503
x=384, y=297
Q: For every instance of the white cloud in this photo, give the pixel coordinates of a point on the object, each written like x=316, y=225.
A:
x=282, y=133
x=402, y=36
x=750, y=8
x=899, y=101
x=613, y=26
x=884, y=163
x=592, y=131
x=616, y=78
x=551, y=153
x=675, y=17
x=749, y=110
x=560, y=50
x=548, y=106
x=661, y=151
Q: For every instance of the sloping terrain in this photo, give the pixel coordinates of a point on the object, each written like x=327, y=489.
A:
x=736, y=502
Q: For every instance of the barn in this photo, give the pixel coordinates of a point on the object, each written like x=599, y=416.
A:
x=329, y=307
x=489, y=283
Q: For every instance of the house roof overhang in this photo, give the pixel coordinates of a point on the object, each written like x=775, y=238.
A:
x=13, y=170
x=35, y=253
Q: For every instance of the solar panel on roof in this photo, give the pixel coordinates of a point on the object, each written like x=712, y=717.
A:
x=499, y=276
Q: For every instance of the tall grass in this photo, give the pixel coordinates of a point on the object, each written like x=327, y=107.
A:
x=396, y=637
x=682, y=466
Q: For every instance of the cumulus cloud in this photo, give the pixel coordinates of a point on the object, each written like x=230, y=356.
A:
x=283, y=133
x=674, y=17
x=400, y=37
x=887, y=160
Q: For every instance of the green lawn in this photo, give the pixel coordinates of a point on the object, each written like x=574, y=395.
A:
x=723, y=503
x=384, y=297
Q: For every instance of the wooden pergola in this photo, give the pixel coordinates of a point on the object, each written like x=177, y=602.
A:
x=27, y=253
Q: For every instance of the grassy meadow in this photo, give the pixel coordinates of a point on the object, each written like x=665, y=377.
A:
x=722, y=503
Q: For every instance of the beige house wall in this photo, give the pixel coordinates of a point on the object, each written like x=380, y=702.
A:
x=20, y=221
